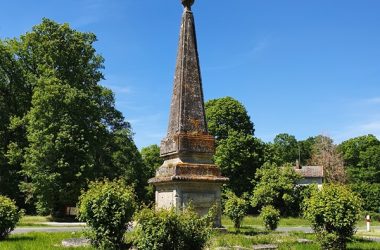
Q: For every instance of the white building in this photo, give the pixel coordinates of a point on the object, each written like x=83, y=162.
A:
x=310, y=175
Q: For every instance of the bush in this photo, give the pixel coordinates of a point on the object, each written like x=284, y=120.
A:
x=270, y=217
x=166, y=229
x=9, y=216
x=333, y=213
x=235, y=208
x=107, y=208
x=275, y=186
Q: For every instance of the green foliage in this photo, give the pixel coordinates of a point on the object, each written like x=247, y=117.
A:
x=151, y=158
x=369, y=193
x=58, y=127
x=152, y=161
x=238, y=153
x=9, y=216
x=238, y=156
x=235, y=208
x=333, y=213
x=301, y=194
x=107, y=208
x=306, y=150
x=126, y=163
x=168, y=229
x=362, y=157
x=225, y=114
x=285, y=148
x=15, y=95
x=270, y=217
x=275, y=186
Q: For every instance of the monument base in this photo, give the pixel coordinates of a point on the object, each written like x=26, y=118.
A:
x=201, y=195
x=179, y=184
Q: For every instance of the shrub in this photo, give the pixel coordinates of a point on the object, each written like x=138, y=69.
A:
x=235, y=208
x=275, y=186
x=9, y=216
x=270, y=217
x=333, y=213
x=107, y=208
x=166, y=229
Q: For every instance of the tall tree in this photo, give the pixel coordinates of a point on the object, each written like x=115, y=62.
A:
x=71, y=131
x=362, y=157
x=15, y=97
x=285, y=149
x=239, y=155
x=225, y=114
x=325, y=154
x=306, y=150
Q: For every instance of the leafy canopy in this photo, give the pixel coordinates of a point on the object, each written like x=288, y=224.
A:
x=225, y=114
x=60, y=126
x=238, y=156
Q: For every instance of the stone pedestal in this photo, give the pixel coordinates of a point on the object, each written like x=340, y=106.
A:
x=179, y=195
x=179, y=184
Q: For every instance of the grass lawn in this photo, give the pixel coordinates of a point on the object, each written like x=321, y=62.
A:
x=38, y=241
x=38, y=221
x=284, y=222
x=248, y=237
x=252, y=233
x=256, y=222
x=33, y=221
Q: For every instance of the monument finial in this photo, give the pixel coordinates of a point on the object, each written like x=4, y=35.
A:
x=187, y=3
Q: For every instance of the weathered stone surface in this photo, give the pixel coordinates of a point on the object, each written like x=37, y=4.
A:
x=265, y=247
x=305, y=241
x=202, y=195
x=188, y=174
x=76, y=242
x=187, y=116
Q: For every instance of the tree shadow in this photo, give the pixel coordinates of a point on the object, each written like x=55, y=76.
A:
x=19, y=238
x=250, y=231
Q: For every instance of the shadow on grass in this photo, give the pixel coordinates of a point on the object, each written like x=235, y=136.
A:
x=20, y=238
x=249, y=231
x=360, y=240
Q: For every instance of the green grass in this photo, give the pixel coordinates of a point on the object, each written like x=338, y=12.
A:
x=373, y=233
x=33, y=221
x=247, y=238
x=38, y=221
x=255, y=221
x=38, y=241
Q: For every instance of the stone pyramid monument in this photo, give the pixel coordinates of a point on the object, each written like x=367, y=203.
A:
x=188, y=174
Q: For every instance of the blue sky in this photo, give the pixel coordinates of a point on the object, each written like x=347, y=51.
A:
x=300, y=67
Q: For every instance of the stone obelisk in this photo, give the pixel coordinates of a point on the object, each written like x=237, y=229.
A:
x=188, y=174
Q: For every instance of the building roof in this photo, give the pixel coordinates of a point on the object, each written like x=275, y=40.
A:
x=310, y=171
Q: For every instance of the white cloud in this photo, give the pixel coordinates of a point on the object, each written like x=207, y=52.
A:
x=371, y=127
x=375, y=100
